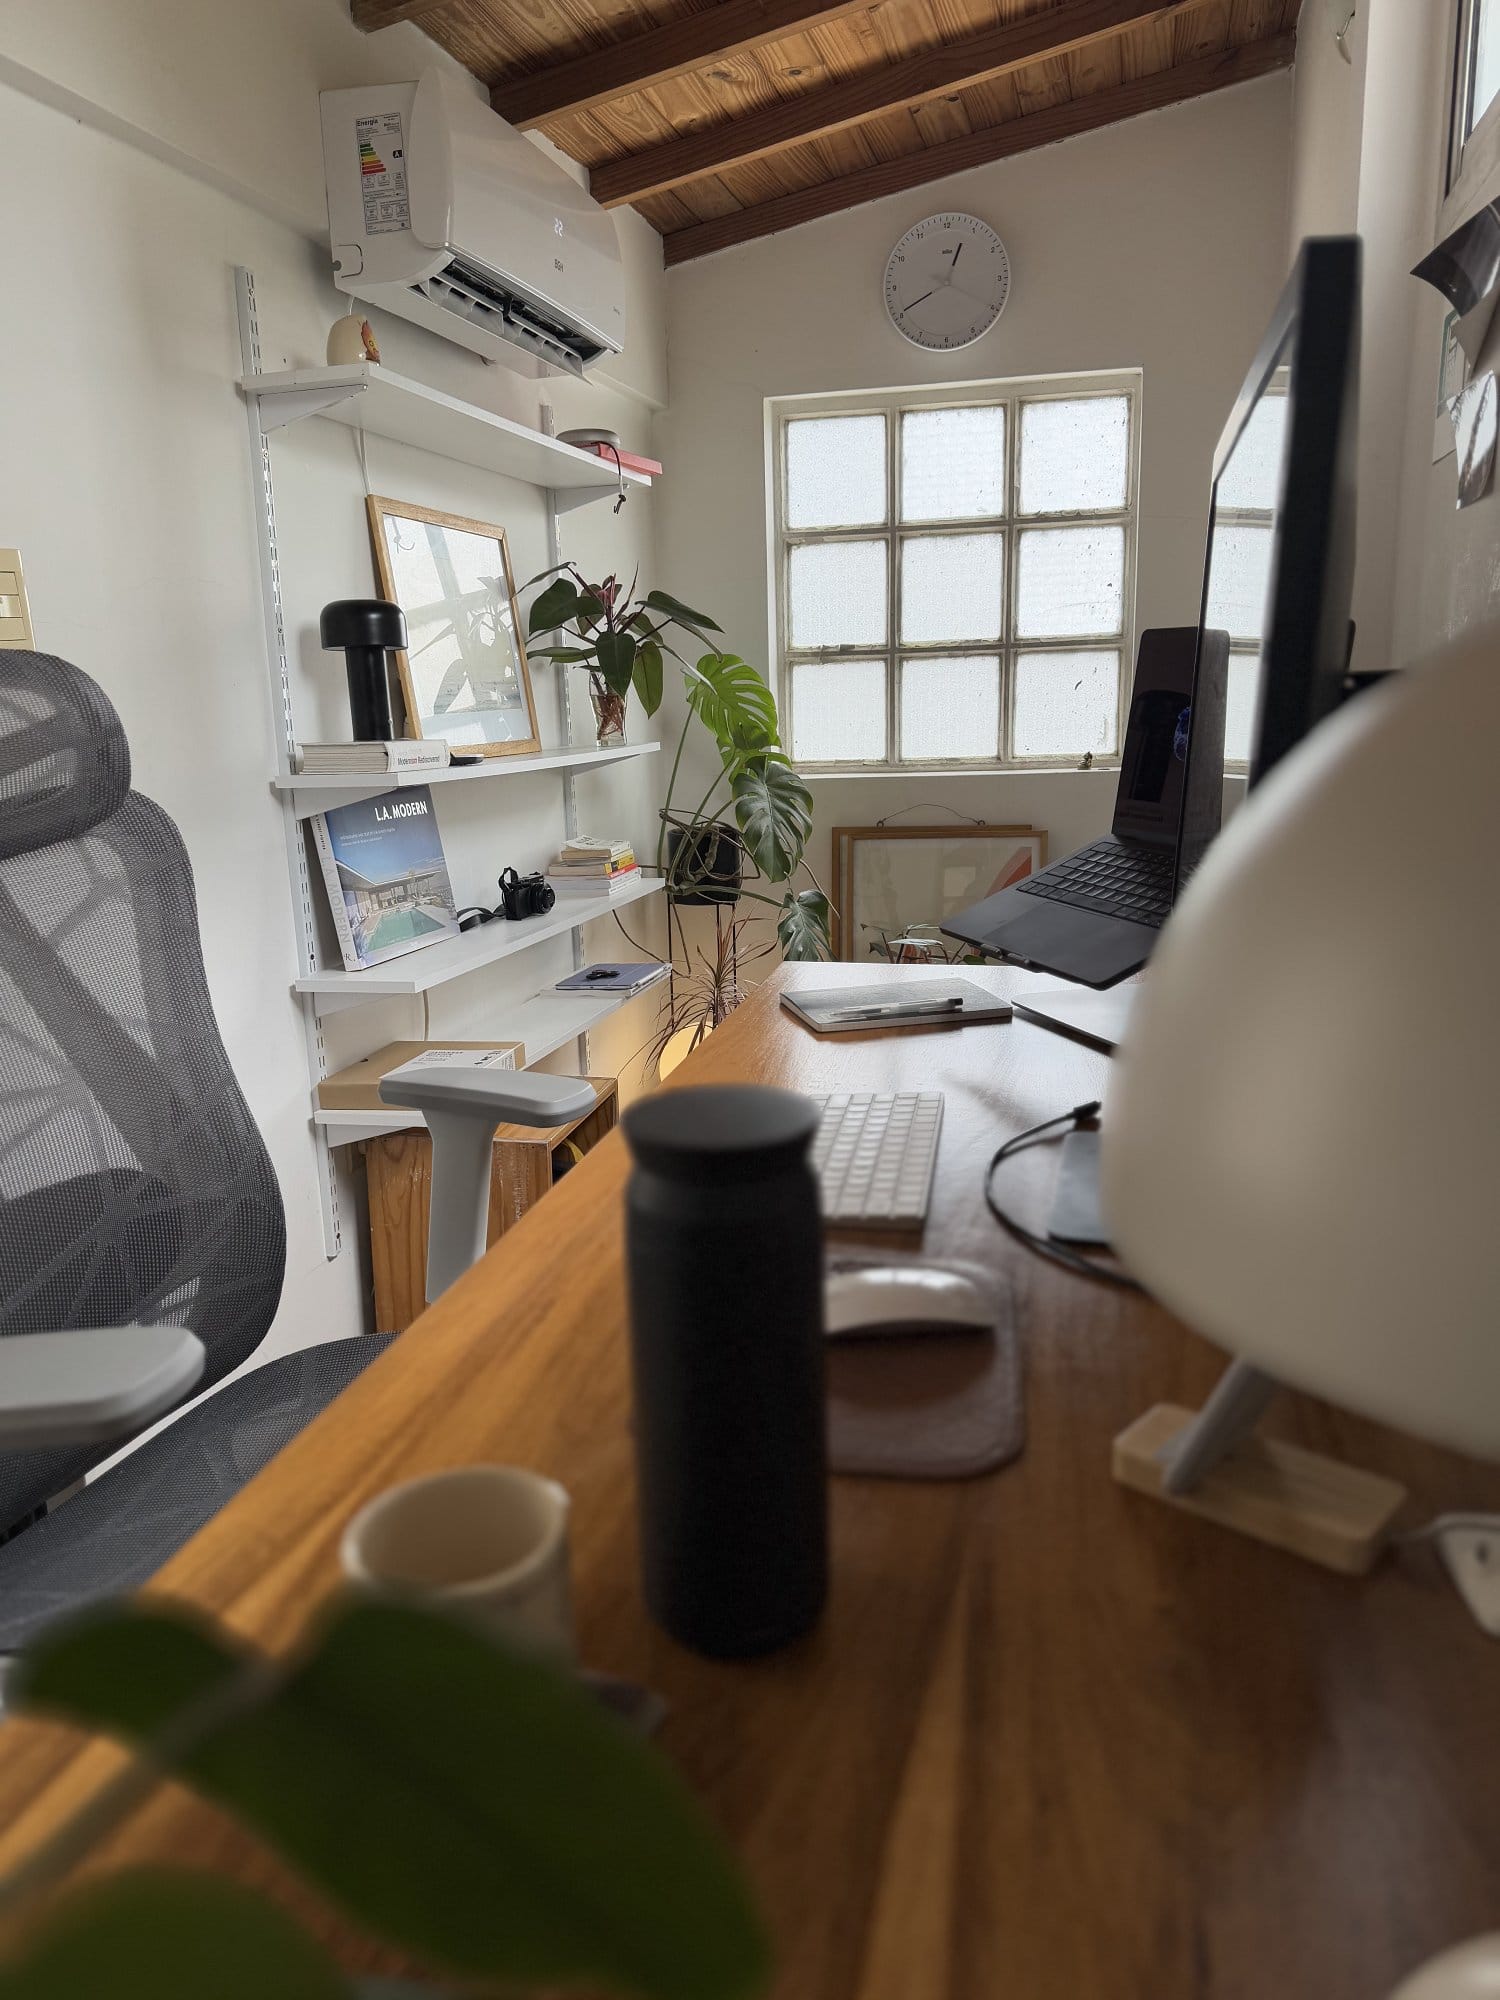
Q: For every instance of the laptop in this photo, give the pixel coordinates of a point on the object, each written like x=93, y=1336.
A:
x=1094, y=916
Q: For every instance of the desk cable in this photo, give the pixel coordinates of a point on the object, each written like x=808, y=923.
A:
x=1057, y=1253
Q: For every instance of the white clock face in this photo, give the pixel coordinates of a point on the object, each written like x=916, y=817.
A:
x=946, y=281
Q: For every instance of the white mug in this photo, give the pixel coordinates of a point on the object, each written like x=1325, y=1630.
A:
x=489, y=1539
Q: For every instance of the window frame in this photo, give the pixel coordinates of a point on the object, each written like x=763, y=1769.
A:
x=1010, y=524
x=1473, y=155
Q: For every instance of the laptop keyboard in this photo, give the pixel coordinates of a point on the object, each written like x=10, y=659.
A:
x=1130, y=882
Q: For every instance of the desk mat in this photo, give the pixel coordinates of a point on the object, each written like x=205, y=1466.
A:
x=927, y=1406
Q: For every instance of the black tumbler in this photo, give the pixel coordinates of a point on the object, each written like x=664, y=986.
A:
x=365, y=629
x=726, y=1340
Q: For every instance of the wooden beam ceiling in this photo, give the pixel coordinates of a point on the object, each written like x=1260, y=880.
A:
x=1059, y=31
x=976, y=149
x=373, y=14
x=658, y=55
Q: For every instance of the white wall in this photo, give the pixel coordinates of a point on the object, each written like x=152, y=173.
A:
x=1157, y=244
x=125, y=482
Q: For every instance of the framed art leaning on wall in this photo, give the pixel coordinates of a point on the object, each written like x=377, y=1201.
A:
x=464, y=674
x=893, y=885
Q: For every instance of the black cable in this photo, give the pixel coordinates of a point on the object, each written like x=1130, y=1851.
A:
x=1056, y=1253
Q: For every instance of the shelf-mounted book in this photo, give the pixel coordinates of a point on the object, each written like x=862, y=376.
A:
x=386, y=876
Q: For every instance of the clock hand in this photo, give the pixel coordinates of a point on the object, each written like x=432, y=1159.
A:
x=956, y=255
x=915, y=302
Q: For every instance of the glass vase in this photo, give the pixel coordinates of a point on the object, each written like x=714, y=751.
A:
x=609, y=714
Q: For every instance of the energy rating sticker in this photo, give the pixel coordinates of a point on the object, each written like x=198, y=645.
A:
x=382, y=173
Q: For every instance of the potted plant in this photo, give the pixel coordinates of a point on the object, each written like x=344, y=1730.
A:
x=472, y=1810
x=619, y=639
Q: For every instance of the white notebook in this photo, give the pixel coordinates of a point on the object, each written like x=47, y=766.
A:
x=894, y=1003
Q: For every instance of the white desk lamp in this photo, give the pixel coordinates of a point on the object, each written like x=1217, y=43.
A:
x=1301, y=1145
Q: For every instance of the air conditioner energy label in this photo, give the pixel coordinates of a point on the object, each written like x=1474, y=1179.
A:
x=382, y=173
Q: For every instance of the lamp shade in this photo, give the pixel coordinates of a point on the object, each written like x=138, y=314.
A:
x=1301, y=1148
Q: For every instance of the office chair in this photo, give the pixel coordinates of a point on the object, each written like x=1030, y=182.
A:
x=142, y=1236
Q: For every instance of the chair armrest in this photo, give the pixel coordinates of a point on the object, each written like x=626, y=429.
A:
x=506, y=1096
x=91, y=1386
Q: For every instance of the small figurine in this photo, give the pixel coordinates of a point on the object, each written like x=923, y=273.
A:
x=351, y=339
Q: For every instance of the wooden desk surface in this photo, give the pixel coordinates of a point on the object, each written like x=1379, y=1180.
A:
x=1053, y=1741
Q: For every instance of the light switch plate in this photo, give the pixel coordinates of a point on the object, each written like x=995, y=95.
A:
x=15, y=614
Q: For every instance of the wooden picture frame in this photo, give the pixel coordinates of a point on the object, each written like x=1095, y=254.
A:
x=464, y=677
x=889, y=881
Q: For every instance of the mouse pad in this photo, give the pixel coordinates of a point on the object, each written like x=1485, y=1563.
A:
x=927, y=1406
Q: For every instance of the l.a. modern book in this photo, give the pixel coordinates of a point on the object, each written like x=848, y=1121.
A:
x=386, y=875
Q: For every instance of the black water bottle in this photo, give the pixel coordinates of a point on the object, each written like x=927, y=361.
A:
x=726, y=1337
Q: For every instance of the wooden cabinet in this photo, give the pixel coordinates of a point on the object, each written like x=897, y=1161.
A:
x=398, y=1167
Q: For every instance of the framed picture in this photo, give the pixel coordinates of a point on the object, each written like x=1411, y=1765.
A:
x=464, y=674
x=893, y=885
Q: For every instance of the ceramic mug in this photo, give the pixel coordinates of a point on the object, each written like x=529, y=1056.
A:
x=488, y=1539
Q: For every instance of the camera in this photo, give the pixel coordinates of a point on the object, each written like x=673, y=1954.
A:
x=525, y=895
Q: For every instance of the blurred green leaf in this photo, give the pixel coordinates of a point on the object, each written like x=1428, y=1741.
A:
x=556, y=605
x=696, y=621
x=646, y=676
x=616, y=654
x=465, y=1803
x=592, y=611
x=804, y=924
x=775, y=814
x=150, y=1935
x=734, y=703
x=570, y=655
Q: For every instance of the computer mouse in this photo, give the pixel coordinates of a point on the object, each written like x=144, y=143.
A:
x=871, y=1299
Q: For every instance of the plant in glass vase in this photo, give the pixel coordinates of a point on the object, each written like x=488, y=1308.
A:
x=615, y=636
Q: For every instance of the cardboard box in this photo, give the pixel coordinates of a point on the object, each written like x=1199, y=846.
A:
x=357, y=1087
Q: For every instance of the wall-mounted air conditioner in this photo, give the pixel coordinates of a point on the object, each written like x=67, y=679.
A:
x=443, y=213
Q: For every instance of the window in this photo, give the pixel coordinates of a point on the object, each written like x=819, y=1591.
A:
x=1476, y=78
x=956, y=576
x=1239, y=575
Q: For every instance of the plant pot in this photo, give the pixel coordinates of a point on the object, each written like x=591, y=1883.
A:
x=609, y=714
x=712, y=868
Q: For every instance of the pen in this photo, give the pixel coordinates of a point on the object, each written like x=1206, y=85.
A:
x=902, y=1009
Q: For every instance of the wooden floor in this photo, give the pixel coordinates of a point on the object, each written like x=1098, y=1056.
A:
x=1053, y=1741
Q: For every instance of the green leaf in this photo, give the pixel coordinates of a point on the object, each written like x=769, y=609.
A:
x=552, y=610
x=647, y=676
x=734, y=704
x=592, y=611
x=659, y=600
x=803, y=926
x=469, y=1805
x=150, y=1935
x=616, y=651
x=568, y=654
x=775, y=814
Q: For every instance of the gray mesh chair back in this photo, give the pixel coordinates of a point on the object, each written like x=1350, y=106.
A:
x=134, y=1185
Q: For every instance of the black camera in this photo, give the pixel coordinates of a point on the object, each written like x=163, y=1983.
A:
x=525, y=895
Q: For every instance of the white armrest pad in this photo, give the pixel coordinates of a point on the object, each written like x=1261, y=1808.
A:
x=515, y=1097
x=91, y=1386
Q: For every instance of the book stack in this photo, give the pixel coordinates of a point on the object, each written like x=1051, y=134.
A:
x=590, y=867
x=337, y=760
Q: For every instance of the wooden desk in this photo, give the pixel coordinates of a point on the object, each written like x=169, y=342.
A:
x=1053, y=1741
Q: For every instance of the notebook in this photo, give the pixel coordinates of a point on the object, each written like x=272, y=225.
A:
x=628, y=977
x=895, y=1003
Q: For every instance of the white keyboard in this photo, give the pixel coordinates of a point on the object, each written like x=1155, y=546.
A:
x=874, y=1158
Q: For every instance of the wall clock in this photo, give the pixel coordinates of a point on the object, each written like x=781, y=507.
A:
x=946, y=281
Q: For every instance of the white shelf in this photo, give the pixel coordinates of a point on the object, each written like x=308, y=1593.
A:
x=322, y=794
x=435, y=964
x=366, y=396
x=542, y=1024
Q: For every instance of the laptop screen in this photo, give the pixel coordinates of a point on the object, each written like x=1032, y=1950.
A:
x=1148, y=801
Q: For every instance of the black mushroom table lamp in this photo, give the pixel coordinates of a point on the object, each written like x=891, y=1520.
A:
x=365, y=630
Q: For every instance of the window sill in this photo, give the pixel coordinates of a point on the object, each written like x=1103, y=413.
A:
x=817, y=775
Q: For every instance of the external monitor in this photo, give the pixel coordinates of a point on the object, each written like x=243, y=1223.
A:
x=1279, y=570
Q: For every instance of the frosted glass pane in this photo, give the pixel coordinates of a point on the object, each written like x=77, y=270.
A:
x=835, y=472
x=836, y=591
x=1486, y=63
x=1066, y=704
x=950, y=707
x=952, y=464
x=1253, y=475
x=1239, y=706
x=951, y=587
x=1071, y=583
x=1075, y=455
x=838, y=711
x=1239, y=571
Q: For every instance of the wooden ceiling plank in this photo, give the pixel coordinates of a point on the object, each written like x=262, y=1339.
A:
x=659, y=55
x=1000, y=51
x=373, y=14
x=1041, y=128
